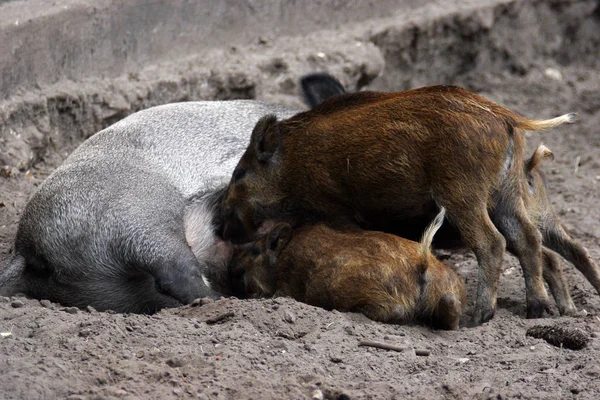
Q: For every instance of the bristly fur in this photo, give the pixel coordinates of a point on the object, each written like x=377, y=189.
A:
x=377, y=274
x=404, y=149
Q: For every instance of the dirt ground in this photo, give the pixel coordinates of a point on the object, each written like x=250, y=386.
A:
x=279, y=348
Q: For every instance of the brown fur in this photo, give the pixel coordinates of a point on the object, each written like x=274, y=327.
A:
x=387, y=278
x=554, y=236
x=368, y=158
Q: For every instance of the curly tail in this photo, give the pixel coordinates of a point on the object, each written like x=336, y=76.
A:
x=11, y=276
x=427, y=239
x=540, y=125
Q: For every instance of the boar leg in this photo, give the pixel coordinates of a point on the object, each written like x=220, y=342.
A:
x=178, y=273
x=120, y=291
x=553, y=275
x=524, y=240
x=481, y=236
x=556, y=238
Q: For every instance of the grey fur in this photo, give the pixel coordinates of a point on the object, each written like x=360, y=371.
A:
x=106, y=229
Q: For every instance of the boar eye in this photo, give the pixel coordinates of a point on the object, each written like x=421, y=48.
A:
x=238, y=174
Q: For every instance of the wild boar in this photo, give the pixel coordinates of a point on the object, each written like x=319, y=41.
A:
x=368, y=158
x=554, y=236
x=108, y=228
x=383, y=276
x=535, y=199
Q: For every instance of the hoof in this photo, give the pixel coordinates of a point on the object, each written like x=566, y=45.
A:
x=481, y=316
x=538, y=309
x=568, y=311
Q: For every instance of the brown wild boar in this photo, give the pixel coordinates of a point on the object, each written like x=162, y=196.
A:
x=363, y=158
x=554, y=236
x=319, y=87
x=387, y=278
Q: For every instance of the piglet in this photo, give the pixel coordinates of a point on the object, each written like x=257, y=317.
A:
x=383, y=276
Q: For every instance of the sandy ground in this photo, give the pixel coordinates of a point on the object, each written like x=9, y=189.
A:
x=279, y=348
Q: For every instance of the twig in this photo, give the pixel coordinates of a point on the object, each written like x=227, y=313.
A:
x=220, y=318
x=423, y=353
x=386, y=346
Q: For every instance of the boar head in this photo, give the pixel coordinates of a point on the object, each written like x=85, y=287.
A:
x=253, y=268
x=253, y=194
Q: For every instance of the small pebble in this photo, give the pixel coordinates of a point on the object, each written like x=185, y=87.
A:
x=594, y=334
x=553, y=74
x=532, y=348
x=175, y=362
x=335, y=359
x=289, y=317
x=46, y=303
x=70, y=310
x=17, y=304
x=85, y=333
x=317, y=395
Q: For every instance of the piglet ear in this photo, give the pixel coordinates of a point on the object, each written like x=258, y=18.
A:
x=265, y=138
x=278, y=238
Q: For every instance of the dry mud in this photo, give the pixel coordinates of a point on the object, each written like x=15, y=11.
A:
x=540, y=58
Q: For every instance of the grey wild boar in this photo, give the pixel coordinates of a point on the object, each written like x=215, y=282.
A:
x=108, y=228
x=383, y=276
x=368, y=158
x=535, y=198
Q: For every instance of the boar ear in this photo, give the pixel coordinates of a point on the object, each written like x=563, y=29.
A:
x=265, y=137
x=540, y=154
x=278, y=238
